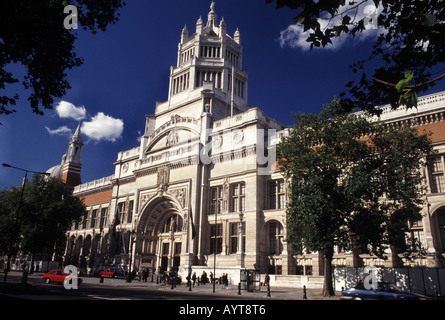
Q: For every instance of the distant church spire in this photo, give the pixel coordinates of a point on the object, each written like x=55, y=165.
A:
x=75, y=147
x=73, y=163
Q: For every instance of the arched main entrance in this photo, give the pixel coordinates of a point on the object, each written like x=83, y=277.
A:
x=161, y=235
x=439, y=228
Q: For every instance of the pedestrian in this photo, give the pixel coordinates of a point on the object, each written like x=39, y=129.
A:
x=266, y=280
x=225, y=281
x=194, y=278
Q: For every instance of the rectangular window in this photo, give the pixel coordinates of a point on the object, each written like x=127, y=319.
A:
x=238, y=197
x=165, y=249
x=216, y=238
x=216, y=200
x=103, y=217
x=178, y=247
x=275, y=238
x=415, y=237
x=93, y=219
x=435, y=166
x=130, y=211
x=277, y=195
x=233, y=238
x=84, y=220
x=120, y=212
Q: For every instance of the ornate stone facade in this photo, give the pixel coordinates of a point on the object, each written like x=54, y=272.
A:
x=200, y=182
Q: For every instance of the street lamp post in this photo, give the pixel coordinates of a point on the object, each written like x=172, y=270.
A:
x=131, y=255
x=214, y=255
x=11, y=243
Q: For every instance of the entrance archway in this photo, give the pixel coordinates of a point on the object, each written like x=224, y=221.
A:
x=160, y=234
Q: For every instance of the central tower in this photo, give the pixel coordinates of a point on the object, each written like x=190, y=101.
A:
x=210, y=60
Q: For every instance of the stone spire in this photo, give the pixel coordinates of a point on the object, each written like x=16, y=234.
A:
x=199, y=25
x=184, y=34
x=75, y=146
x=72, y=166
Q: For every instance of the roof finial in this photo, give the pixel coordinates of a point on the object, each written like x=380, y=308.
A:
x=212, y=16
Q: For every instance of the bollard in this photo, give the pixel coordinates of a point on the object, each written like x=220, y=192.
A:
x=268, y=290
x=190, y=286
x=239, y=288
x=304, y=293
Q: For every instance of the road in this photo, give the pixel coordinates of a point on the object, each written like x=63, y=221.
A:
x=119, y=289
x=178, y=303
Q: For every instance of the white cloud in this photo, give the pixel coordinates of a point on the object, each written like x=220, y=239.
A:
x=62, y=131
x=103, y=127
x=295, y=36
x=68, y=110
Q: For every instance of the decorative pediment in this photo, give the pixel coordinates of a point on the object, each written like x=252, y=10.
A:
x=176, y=131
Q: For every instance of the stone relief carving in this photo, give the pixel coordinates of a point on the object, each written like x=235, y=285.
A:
x=172, y=138
x=226, y=189
x=217, y=142
x=238, y=136
x=144, y=199
x=163, y=178
x=179, y=194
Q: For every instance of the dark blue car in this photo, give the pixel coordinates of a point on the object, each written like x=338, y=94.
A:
x=384, y=291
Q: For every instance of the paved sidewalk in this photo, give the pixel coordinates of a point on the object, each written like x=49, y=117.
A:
x=275, y=293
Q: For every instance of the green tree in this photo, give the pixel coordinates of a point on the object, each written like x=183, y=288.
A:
x=32, y=34
x=47, y=210
x=340, y=167
x=407, y=57
x=51, y=209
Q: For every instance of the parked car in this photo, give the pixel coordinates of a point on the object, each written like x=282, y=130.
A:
x=107, y=273
x=58, y=276
x=384, y=291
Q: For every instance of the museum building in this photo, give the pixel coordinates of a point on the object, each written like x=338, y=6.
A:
x=202, y=189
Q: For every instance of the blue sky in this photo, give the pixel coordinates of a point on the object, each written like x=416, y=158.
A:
x=126, y=71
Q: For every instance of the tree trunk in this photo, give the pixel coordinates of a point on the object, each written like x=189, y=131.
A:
x=328, y=288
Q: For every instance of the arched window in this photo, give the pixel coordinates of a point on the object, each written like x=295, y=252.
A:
x=275, y=238
x=173, y=223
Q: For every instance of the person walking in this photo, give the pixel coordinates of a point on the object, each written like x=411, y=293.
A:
x=225, y=280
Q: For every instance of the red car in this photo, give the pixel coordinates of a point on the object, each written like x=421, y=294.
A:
x=58, y=276
x=106, y=273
